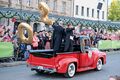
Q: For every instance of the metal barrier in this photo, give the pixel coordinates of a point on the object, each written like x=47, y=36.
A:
x=108, y=44
x=6, y=50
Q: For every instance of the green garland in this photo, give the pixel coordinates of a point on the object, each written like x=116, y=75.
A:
x=66, y=20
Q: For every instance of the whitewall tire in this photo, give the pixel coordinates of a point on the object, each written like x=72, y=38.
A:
x=99, y=65
x=70, y=70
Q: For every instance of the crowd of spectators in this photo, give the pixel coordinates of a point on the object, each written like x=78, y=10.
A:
x=43, y=39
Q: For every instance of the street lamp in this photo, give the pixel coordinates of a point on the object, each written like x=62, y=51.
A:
x=99, y=7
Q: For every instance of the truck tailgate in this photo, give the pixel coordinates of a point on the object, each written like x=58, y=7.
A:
x=41, y=58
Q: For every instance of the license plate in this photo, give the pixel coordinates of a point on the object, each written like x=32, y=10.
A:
x=40, y=67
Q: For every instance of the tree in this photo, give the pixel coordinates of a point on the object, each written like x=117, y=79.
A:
x=114, y=11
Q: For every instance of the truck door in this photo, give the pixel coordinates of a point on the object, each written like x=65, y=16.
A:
x=89, y=58
x=83, y=60
x=85, y=57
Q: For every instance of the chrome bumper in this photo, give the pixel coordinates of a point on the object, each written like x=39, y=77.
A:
x=50, y=70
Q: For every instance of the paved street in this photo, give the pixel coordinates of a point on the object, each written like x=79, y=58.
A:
x=23, y=73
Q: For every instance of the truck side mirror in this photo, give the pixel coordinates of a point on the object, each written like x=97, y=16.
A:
x=87, y=51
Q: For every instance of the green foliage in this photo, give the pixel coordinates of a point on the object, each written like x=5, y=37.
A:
x=114, y=11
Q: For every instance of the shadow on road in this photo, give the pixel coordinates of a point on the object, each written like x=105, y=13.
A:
x=61, y=76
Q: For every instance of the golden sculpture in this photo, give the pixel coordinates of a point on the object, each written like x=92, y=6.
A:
x=21, y=28
x=44, y=9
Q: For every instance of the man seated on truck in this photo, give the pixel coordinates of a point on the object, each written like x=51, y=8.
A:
x=84, y=42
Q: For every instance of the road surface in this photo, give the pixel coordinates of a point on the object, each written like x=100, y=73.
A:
x=22, y=72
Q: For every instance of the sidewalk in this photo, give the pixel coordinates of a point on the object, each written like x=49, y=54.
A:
x=10, y=64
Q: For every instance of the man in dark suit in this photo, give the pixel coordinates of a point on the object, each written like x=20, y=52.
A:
x=58, y=35
x=69, y=39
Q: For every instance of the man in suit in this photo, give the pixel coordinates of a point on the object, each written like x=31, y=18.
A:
x=69, y=39
x=58, y=35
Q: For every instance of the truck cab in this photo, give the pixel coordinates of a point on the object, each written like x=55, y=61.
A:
x=84, y=57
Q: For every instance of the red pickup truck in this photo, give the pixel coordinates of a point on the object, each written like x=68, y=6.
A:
x=81, y=59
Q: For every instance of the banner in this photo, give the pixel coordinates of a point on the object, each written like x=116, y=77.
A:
x=6, y=49
x=108, y=44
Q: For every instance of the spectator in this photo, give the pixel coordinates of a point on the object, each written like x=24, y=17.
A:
x=77, y=34
x=7, y=38
x=41, y=41
x=15, y=42
x=97, y=38
x=26, y=54
x=48, y=40
x=35, y=41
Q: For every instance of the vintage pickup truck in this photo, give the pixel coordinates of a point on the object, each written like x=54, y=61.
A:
x=81, y=59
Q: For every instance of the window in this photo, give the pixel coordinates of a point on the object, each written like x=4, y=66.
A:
x=76, y=12
x=102, y=14
x=63, y=6
x=28, y=2
x=18, y=1
x=82, y=11
x=39, y=1
x=47, y=1
x=55, y=5
x=92, y=12
x=87, y=12
x=98, y=12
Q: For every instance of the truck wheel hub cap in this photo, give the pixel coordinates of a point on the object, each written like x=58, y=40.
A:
x=71, y=70
x=99, y=64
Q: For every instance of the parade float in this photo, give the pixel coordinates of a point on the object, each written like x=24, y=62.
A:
x=82, y=58
x=67, y=63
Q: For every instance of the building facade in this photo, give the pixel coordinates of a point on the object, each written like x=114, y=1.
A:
x=57, y=7
x=91, y=9
x=85, y=12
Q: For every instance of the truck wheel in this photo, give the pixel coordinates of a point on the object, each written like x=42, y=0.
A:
x=99, y=65
x=70, y=70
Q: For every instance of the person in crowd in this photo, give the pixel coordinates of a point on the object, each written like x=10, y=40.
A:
x=1, y=34
x=77, y=33
x=69, y=38
x=26, y=54
x=41, y=40
x=92, y=38
x=44, y=37
x=114, y=77
x=48, y=40
x=22, y=49
x=7, y=38
x=15, y=42
x=35, y=41
x=97, y=38
x=58, y=35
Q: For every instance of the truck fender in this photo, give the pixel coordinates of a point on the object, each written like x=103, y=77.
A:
x=63, y=64
x=95, y=61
